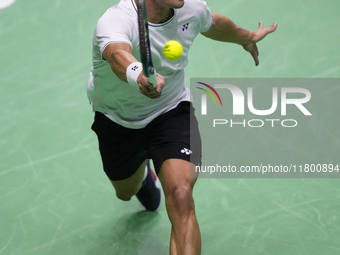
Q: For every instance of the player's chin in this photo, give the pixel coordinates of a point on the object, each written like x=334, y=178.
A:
x=178, y=4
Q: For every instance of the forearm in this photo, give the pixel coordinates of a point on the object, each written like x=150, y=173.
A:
x=225, y=30
x=119, y=60
x=119, y=57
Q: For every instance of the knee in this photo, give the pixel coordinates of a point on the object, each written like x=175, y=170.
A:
x=123, y=197
x=180, y=199
x=126, y=195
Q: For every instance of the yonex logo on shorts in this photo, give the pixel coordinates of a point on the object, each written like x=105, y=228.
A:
x=186, y=151
x=134, y=68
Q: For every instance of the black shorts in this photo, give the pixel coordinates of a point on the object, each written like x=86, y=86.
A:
x=123, y=149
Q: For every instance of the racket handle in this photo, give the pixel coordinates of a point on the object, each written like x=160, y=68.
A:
x=152, y=79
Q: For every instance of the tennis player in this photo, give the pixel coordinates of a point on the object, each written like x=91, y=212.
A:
x=135, y=121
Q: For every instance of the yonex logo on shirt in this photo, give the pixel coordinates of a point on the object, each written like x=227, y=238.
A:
x=185, y=27
x=134, y=68
x=186, y=151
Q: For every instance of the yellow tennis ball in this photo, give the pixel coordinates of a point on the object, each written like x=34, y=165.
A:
x=172, y=50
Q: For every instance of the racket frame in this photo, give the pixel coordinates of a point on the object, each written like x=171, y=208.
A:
x=144, y=43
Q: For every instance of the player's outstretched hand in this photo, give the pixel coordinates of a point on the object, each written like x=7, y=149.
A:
x=258, y=35
x=147, y=89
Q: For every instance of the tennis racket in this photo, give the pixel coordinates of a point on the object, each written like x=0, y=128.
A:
x=144, y=43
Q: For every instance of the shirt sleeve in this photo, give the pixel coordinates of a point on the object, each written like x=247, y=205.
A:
x=205, y=17
x=113, y=28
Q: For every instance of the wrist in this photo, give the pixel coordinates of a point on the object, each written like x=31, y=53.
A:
x=132, y=73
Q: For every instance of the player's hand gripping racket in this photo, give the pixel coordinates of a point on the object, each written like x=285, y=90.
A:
x=144, y=43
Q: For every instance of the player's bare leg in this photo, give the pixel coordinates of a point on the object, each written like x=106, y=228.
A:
x=178, y=186
x=129, y=187
x=144, y=184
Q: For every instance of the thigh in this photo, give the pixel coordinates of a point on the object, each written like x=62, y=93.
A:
x=175, y=135
x=122, y=149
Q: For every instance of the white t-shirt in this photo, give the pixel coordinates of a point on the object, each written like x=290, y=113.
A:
x=120, y=101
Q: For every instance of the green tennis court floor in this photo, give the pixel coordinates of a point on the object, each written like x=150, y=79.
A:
x=54, y=196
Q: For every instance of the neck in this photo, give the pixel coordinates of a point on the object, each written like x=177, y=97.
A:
x=158, y=13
